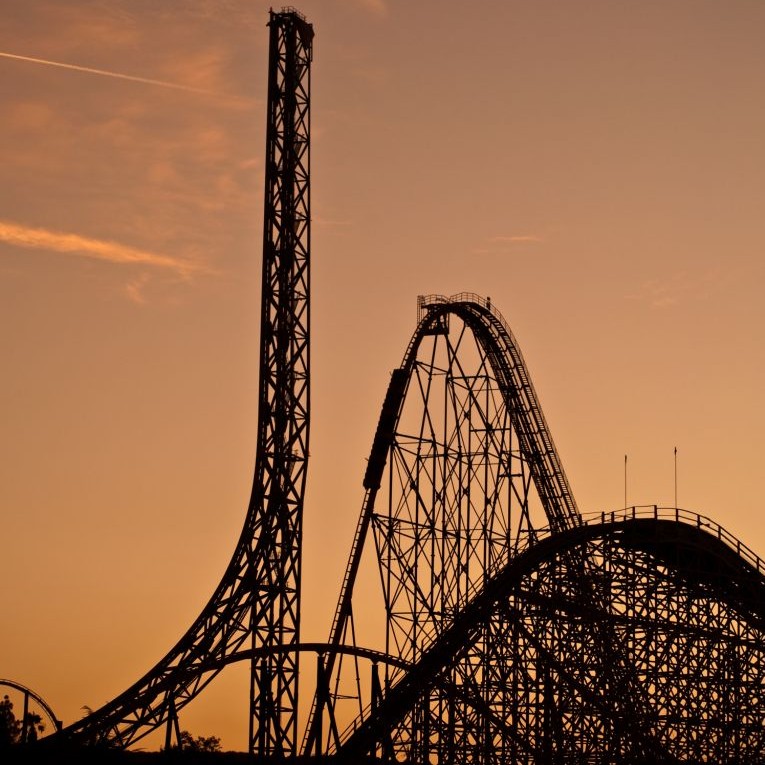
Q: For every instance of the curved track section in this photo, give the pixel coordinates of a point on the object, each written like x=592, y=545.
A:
x=28, y=694
x=257, y=603
x=519, y=675
x=462, y=470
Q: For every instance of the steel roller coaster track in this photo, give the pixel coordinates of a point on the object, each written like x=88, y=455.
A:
x=498, y=623
x=256, y=606
x=526, y=632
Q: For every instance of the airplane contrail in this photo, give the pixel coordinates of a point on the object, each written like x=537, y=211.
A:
x=106, y=73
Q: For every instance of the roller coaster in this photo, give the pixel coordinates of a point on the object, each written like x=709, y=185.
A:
x=482, y=618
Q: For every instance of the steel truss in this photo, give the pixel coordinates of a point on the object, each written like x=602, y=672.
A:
x=462, y=470
x=519, y=676
x=516, y=632
x=508, y=629
x=256, y=606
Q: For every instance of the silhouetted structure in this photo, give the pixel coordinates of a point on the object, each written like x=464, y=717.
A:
x=515, y=630
x=26, y=721
x=510, y=629
x=256, y=606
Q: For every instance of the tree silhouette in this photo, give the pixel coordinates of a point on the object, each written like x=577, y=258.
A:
x=200, y=743
x=32, y=726
x=10, y=727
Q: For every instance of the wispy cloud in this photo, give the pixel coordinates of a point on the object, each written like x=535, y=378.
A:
x=503, y=244
x=95, y=249
x=663, y=294
x=134, y=288
x=679, y=287
x=321, y=222
x=378, y=7
x=517, y=238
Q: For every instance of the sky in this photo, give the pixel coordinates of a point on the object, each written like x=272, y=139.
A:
x=597, y=168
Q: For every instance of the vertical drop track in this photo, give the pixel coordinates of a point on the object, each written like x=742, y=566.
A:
x=256, y=607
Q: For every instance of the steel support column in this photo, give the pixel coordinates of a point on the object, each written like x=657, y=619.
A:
x=276, y=506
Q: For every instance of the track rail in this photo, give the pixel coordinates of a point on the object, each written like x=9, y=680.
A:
x=536, y=444
x=702, y=560
x=257, y=602
x=679, y=515
x=28, y=693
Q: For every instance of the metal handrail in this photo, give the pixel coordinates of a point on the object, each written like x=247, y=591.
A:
x=679, y=515
x=605, y=518
x=560, y=493
x=292, y=9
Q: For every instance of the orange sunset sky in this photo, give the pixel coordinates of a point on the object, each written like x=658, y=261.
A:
x=596, y=166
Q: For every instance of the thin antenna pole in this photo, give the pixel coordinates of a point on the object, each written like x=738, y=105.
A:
x=675, y=477
x=625, y=481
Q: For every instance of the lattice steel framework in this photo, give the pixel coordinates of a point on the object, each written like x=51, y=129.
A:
x=515, y=632
x=461, y=471
x=519, y=677
x=256, y=606
x=276, y=507
x=509, y=630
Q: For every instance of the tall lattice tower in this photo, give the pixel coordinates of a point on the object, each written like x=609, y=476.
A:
x=254, y=613
x=276, y=506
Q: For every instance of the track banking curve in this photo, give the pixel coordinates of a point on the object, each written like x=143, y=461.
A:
x=702, y=560
x=514, y=630
x=534, y=663
x=505, y=364
x=493, y=333
x=28, y=693
x=257, y=602
x=504, y=352
x=634, y=636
